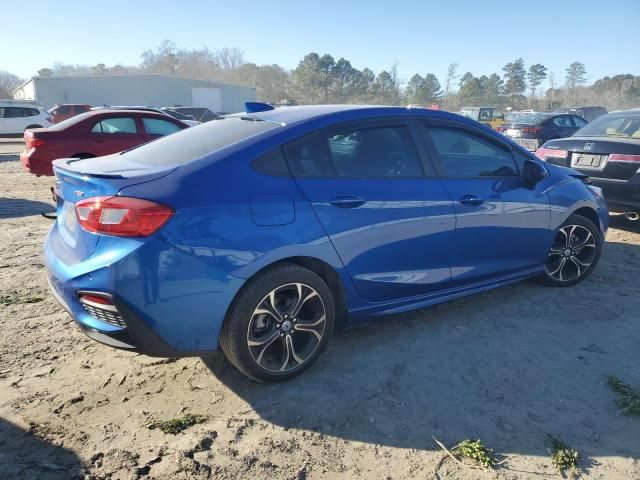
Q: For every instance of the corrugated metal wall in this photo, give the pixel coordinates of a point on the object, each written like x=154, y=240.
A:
x=152, y=90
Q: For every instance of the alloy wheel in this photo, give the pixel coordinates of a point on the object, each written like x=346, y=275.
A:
x=286, y=327
x=573, y=251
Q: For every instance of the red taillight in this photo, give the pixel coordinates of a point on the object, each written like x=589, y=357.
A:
x=31, y=142
x=122, y=216
x=500, y=129
x=623, y=157
x=545, y=153
x=531, y=129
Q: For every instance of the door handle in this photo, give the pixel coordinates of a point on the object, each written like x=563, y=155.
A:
x=471, y=200
x=347, y=201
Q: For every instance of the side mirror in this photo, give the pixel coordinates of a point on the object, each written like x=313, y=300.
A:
x=533, y=173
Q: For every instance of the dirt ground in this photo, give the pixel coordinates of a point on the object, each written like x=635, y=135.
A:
x=509, y=367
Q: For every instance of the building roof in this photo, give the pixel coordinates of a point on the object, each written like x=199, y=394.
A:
x=140, y=75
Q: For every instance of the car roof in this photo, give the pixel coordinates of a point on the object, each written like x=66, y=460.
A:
x=301, y=114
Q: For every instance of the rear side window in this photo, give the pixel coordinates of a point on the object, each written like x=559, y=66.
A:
x=192, y=143
x=16, y=112
x=466, y=154
x=579, y=121
x=563, y=121
x=272, y=163
x=115, y=126
x=63, y=109
x=157, y=126
x=371, y=152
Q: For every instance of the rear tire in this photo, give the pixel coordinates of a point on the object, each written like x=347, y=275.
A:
x=574, y=254
x=279, y=324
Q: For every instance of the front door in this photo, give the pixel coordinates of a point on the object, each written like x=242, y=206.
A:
x=502, y=226
x=389, y=218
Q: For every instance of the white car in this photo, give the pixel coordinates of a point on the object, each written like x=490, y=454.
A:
x=15, y=118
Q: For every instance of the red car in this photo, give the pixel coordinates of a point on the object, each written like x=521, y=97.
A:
x=93, y=134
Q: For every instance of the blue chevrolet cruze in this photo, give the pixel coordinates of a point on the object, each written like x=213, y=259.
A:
x=258, y=233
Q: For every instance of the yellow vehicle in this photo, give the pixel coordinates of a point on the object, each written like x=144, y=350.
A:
x=491, y=117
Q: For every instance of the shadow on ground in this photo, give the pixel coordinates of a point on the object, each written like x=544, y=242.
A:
x=508, y=366
x=20, y=207
x=621, y=223
x=23, y=455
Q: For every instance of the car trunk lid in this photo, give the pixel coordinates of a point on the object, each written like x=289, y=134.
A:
x=82, y=179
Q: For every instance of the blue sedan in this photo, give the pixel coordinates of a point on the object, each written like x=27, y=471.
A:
x=260, y=233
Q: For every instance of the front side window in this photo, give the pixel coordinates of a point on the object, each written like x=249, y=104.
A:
x=115, y=126
x=370, y=152
x=157, y=126
x=466, y=154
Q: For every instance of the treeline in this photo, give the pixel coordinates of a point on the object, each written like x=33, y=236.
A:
x=325, y=79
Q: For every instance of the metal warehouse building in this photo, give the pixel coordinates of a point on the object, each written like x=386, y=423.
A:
x=152, y=90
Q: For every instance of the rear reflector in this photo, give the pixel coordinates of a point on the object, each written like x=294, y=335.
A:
x=90, y=298
x=122, y=216
x=623, y=157
x=545, y=153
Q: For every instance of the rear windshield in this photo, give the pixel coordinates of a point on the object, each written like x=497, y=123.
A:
x=70, y=121
x=620, y=126
x=195, y=142
x=531, y=119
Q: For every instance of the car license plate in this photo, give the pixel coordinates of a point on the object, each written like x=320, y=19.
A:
x=529, y=144
x=69, y=217
x=513, y=132
x=586, y=160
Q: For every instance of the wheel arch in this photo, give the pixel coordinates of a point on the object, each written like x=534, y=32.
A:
x=590, y=214
x=35, y=125
x=321, y=268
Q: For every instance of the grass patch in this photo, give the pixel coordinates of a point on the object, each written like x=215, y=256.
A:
x=18, y=299
x=628, y=398
x=476, y=450
x=563, y=456
x=177, y=425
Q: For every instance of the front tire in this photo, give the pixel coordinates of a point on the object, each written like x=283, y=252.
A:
x=574, y=253
x=279, y=324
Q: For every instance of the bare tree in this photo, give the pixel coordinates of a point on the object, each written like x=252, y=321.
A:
x=8, y=83
x=452, y=76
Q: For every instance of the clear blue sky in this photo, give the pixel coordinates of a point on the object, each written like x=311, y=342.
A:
x=481, y=36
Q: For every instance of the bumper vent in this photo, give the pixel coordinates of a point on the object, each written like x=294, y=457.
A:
x=102, y=309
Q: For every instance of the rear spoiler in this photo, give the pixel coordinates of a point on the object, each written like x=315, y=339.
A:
x=65, y=164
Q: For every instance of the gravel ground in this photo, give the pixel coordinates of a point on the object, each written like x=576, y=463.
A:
x=510, y=367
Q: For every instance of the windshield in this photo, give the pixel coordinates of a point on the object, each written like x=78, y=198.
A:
x=622, y=126
x=198, y=141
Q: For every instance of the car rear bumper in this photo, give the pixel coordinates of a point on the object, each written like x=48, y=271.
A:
x=35, y=163
x=621, y=195
x=164, y=310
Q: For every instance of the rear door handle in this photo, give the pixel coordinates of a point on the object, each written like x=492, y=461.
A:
x=471, y=200
x=347, y=201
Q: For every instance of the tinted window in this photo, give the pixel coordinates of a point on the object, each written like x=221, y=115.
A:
x=80, y=109
x=157, y=126
x=192, y=143
x=273, y=163
x=466, y=154
x=115, y=125
x=563, y=121
x=16, y=112
x=375, y=152
x=64, y=109
x=579, y=121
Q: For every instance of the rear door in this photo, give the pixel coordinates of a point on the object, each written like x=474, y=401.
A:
x=502, y=227
x=114, y=134
x=389, y=218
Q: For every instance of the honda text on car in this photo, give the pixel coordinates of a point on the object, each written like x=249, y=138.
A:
x=259, y=233
x=608, y=150
x=93, y=134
